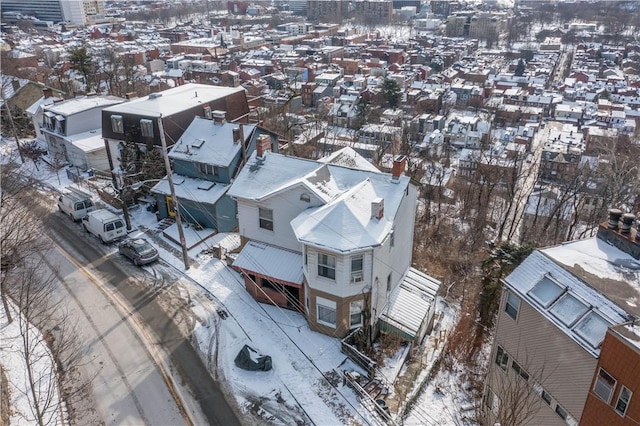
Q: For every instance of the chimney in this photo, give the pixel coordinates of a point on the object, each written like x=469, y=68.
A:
x=625, y=237
x=131, y=95
x=399, y=165
x=47, y=93
x=219, y=117
x=263, y=144
x=377, y=208
x=614, y=218
x=627, y=223
x=238, y=135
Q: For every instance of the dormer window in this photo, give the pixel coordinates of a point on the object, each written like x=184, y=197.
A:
x=117, y=124
x=60, y=127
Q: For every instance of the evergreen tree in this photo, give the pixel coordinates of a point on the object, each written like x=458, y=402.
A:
x=520, y=68
x=391, y=92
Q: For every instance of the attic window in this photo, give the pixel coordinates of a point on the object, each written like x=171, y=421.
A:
x=305, y=197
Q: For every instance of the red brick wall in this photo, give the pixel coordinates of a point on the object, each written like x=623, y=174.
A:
x=623, y=363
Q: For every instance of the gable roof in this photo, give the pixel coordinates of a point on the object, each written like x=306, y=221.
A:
x=348, y=157
x=207, y=142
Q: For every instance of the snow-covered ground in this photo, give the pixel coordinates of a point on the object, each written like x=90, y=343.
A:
x=12, y=359
x=304, y=386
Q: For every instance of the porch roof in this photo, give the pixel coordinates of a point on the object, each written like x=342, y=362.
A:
x=410, y=302
x=269, y=261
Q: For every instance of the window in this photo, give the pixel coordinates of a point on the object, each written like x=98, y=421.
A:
x=392, y=237
x=502, y=358
x=208, y=169
x=592, y=328
x=117, y=125
x=356, y=268
x=623, y=400
x=546, y=397
x=512, y=306
x=561, y=412
x=326, y=311
x=146, y=127
x=491, y=400
x=266, y=218
x=355, y=314
x=604, y=385
x=327, y=266
x=568, y=309
x=546, y=291
x=109, y=227
x=520, y=371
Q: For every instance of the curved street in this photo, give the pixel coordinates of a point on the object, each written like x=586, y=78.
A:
x=136, y=357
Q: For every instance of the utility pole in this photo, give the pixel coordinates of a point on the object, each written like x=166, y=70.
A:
x=174, y=200
x=14, y=130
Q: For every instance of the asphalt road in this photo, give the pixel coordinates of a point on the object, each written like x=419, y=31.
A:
x=129, y=387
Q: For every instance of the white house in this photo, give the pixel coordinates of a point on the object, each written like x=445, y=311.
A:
x=72, y=129
x=331, y=239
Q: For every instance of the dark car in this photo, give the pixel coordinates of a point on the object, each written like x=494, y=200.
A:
x=138, y=250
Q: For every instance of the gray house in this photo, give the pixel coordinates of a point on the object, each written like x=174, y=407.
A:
x=205, y=160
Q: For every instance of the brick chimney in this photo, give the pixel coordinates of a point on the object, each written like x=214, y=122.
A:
x=47, y=92
x=263, y=144
x=399, y=165
x=377, y=208
x=624, y=236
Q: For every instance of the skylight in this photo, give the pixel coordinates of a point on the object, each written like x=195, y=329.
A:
x=546, y=291
x=592, y=328
x=568, y=309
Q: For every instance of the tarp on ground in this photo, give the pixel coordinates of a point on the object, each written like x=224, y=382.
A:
x=249, y=359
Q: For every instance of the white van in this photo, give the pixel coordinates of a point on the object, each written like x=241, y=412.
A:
x=104, y=225
x=76, y=203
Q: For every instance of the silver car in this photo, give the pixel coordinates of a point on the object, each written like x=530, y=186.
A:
x=139, y=251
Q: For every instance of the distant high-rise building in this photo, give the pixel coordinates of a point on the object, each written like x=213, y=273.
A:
x=78, y=12
x=367, y=11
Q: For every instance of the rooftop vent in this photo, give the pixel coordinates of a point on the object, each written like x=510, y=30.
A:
x=377, y=208
x=625, y=236
x=155, y=95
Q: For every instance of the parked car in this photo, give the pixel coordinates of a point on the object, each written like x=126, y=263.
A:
x=138, y=250
x=105, y=225
x=75, y=203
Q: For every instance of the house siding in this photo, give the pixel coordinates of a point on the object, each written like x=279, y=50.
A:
x=286, y=206
x=340, y=287
x=188, y=168
x=342, y=312
x=553, y=359
x=622, y=361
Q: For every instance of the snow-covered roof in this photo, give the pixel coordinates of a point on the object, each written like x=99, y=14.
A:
x=198, y=190
x=348, y=157
x=42, y=102
x=172, y=101
x=347, y=193
x=409, y=303
x=77, y=105
x=88, y=141
x=564, y=298
x=207, y=142
x=274, y=262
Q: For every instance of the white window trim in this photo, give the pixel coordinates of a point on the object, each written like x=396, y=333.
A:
x=329, y=304
x=146, y=128
x=356, y=307
x=626, y=408
x=357, y=276
x=613, y=387
x=507, y=304
x=261, y=218
x=327, y=266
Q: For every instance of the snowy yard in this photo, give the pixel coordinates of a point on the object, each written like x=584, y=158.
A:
x=305, y=385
